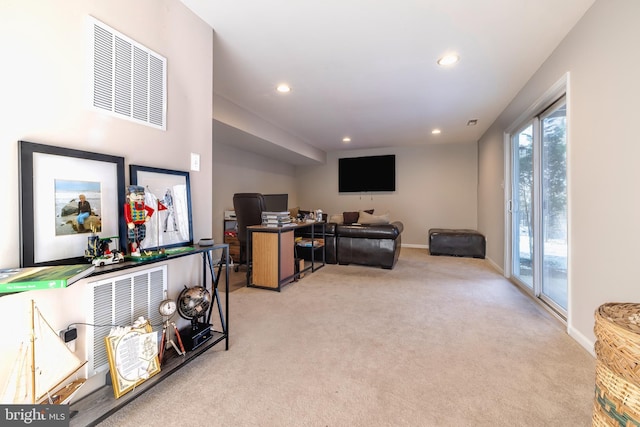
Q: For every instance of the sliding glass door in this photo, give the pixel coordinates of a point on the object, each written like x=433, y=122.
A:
x=539, y=206
x=553, y=220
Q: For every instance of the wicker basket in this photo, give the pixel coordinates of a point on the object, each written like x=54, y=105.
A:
x=617, y=331
x=617, y=391
x=616, y=402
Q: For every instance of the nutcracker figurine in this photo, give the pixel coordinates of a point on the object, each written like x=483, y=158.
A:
x=136, y=214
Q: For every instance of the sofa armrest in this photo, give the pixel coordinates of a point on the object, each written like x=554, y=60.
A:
x=399, y=226
x=330, y=228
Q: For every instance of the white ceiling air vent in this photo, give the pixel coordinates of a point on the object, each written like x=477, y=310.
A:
x=128, y=80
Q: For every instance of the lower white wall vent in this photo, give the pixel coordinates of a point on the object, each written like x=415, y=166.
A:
x=120, y=300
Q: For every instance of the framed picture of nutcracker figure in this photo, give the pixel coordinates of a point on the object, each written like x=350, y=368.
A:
x=168, y=193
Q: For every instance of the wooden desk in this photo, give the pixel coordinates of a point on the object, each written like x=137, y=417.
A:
x=271, y=255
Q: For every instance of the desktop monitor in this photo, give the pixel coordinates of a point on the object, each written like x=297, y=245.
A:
x=276, y=202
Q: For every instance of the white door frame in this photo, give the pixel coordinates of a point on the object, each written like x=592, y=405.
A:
x=559, y=88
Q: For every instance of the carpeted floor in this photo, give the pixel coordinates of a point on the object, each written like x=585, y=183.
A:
x=437, y=341
x=237, y=280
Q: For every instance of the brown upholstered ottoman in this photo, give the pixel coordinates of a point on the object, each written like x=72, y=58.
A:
x=463, y=243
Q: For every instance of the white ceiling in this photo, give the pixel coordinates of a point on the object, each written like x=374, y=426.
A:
x=367, y=69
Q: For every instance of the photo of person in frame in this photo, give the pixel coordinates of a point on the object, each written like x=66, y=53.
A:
x=77, y=207
x=84, y=210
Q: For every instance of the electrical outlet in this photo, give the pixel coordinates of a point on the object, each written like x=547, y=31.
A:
x=69, y=334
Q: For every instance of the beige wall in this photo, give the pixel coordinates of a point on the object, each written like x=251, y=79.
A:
x=602, y=60
x=43, y=85
x=435, y=187
x=239, y=171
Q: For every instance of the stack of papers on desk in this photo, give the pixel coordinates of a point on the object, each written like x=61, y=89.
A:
x=275, y=219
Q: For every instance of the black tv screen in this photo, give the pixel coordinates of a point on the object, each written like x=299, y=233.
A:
x=276, y=202
x=371, y=173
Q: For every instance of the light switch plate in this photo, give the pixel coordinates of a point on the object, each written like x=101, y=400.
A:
x=195, y=162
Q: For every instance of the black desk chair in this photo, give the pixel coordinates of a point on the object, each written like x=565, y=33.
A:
x=249, y=208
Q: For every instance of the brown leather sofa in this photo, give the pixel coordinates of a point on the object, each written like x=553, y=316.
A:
x=373, y=245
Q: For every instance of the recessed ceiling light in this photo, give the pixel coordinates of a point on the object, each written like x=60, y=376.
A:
x=448, y=59
x=436, y=131
x=283, y=88
x=346, y=139
x=472, y=122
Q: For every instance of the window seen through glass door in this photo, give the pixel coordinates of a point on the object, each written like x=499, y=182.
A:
x=553, y=126
x=523, y=206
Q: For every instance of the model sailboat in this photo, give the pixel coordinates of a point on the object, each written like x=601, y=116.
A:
x=44, y=364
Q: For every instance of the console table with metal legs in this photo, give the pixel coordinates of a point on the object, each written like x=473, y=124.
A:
x=95, y=407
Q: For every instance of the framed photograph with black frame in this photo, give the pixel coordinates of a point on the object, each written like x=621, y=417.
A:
x=65, y=195
x=168, y=193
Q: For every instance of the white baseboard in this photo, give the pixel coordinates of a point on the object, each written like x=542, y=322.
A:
x=582, y=340
x=495, y=266
x=410, y=245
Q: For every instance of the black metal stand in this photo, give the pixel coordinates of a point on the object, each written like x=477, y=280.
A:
x=97, y=406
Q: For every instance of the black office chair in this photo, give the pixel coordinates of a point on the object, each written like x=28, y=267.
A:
x=249, y=208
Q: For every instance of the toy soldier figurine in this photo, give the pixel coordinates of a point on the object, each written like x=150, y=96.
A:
x=136, y=213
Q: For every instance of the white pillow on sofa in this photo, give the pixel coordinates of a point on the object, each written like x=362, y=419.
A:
x=367, y=218
x=337, y=218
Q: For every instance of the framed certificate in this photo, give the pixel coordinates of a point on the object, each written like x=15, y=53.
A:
x=133, y=358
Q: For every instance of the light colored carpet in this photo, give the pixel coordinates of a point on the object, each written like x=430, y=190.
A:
x=437, y=341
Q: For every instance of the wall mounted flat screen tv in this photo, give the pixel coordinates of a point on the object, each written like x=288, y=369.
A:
x=363, y=174
x=276, y=202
